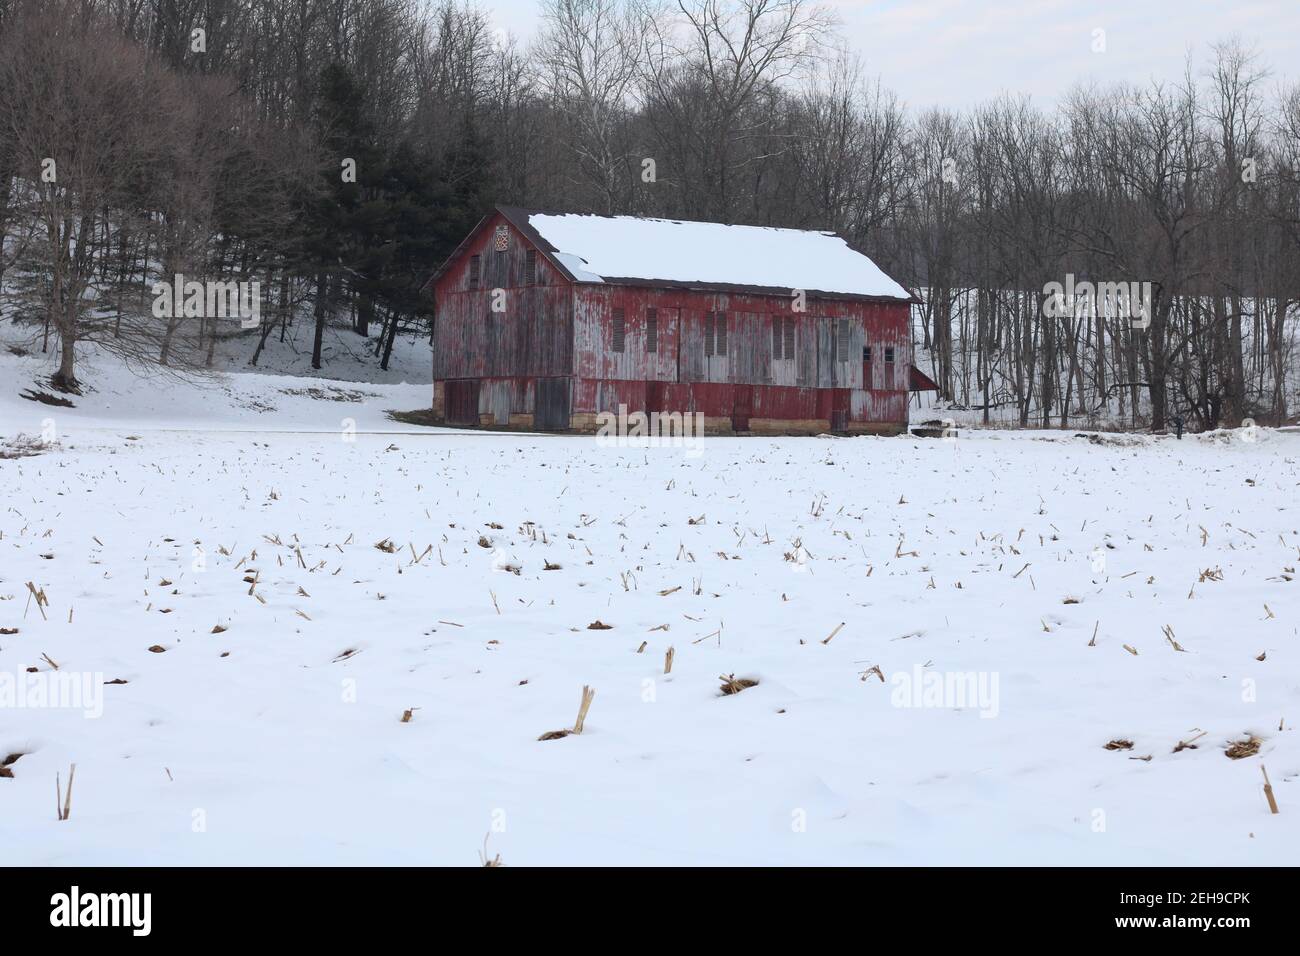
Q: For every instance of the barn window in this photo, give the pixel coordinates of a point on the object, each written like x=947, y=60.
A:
x=652, y=330
x=502, y=270
x=620, y=330
x=843, y=348
x=889, y=356
x=866, y=353
x=720, y=322
x=475, y=271
x=708, y=334
x=782, y=337
x=530, y=267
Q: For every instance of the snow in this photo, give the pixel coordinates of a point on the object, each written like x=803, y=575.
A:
x=626, y=247
x=280, y=739
x=346, y=356
x=117, y=397
x=577, y=267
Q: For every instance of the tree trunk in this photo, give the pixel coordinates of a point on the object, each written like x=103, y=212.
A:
x=322, y=285
x=389, y=339
x=65, y=379
x=365, y=314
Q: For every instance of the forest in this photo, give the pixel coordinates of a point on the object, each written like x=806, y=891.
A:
x=337, y=151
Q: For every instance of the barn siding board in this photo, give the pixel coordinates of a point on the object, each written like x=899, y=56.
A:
x=750, y=342
x=833, y=369
x=494, y=401
x=530, y=337
x=876, y=405
x=784, y=402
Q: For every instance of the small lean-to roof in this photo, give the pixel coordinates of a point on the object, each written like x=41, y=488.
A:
x=918, y=381
x=628, y=250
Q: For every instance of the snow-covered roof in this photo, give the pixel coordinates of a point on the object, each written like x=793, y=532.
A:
x=627, y=248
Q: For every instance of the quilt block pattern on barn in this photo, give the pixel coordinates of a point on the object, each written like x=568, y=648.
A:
x=544, y=321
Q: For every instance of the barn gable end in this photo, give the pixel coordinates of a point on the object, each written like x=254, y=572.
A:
x=488, y=321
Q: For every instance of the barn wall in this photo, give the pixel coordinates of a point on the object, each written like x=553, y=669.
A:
x=713, y=399
x=874, y=405
x=531, y=336
x=885, y=333
x=749, y=355
x=532, y=403
x=817, y=381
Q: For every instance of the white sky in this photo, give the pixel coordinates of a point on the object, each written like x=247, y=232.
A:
x=954, y=53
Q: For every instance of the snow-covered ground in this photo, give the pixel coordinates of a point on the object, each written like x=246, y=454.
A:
x=117, y=397
x=346, y=356
x=266, y=726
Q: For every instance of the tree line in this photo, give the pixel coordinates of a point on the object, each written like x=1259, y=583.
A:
x=338, y=150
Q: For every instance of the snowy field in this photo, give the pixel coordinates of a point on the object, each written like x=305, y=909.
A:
x=937, y=629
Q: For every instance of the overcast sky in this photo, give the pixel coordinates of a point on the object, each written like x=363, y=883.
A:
x=958, y=52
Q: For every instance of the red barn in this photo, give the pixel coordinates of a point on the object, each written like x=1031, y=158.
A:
x=543, y=321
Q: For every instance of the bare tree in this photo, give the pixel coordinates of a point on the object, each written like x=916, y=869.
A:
x=76, y=104
x=707, y=70
x=589, y=55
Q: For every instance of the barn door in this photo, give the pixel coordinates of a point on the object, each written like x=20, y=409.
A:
x=461, y=399
x=552, y=406
x=840, y=402
x=742, y=407
x=654, y=396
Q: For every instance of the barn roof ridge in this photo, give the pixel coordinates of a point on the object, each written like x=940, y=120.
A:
x=521, y=213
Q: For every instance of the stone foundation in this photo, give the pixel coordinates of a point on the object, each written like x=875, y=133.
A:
x=588, y=423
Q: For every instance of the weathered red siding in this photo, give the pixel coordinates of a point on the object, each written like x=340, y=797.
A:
x=809, y=386
x=563, y=333
x=532, y=335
